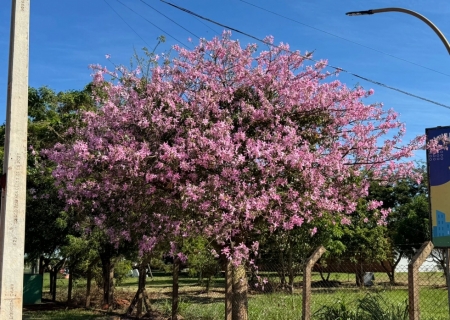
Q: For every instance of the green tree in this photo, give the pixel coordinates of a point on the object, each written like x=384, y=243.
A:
x=47, y=224
x=365, y=239
x=408, y=223
x=81, y=253
x=50, y=115
x=286, y=252
x=201, y=262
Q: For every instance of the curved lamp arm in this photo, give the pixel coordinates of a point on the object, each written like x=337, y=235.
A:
x=413, y=13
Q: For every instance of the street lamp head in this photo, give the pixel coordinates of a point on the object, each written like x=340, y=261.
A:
x=359, y=13
x=415, y=14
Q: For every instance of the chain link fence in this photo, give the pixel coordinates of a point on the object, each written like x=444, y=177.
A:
x=336, y=286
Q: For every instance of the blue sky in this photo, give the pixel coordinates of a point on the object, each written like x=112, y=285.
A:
x=67, y=36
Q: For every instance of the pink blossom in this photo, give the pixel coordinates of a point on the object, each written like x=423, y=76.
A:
x=373, y=204
x=219, y=142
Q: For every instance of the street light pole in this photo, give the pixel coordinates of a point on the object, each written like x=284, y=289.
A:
x=12, y=219
x=414, y=310
x=410, y=12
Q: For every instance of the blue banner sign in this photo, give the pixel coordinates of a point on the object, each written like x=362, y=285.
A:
x=439, y=185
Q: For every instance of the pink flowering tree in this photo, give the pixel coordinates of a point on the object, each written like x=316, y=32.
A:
x=227, y=142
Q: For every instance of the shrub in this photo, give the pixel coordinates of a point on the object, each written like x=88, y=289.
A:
x=371, y=307
x=338, y=311
x=377, y=308
x=122, y=270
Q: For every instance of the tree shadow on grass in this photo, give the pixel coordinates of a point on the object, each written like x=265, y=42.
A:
x=166, y=283
x=161, y=283
x=194, y=298
x=60, y=311
x=62, y=314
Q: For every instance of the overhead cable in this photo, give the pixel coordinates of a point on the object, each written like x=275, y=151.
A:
x=129, y=26
x=342, y=38
x=152, y=23
x=151, y=7
x=206, y=25
x=305, y=57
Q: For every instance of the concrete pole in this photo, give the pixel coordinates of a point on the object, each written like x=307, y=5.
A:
x=12, y=220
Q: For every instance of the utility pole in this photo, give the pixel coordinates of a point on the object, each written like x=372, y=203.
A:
x=12, y=220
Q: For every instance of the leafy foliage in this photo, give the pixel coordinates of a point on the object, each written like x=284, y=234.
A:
x=201, y=260
x=371, y=307
x=122, y=270
x=50, y=114
x=338, y=311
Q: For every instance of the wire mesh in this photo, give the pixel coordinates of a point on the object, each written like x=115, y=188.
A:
x=275, y=291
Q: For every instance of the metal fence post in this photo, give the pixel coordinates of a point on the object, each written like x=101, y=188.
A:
x=306, y=301
x=413, y=279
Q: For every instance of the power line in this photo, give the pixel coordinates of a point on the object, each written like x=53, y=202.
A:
x=398, y=90
x=218, y=32
x=218, y=23
x=305, y=57
x=152, y=23
x=126, y=22
x=170, y=19
x=342, y=38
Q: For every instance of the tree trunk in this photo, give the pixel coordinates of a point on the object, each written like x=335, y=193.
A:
x=88, y=286
x=53, y=277
x=140, y=299
x=283, y=271
x=390, y=269
x=443, y=264
x=359, y=275
x=228, y=290
x=240, y=301
x=141, y=291
x=322, y=277
x=51, y=280
x=108, y=281
x=175, y=297
x=390, y=274
x=208, y=284
x=438, y=256
x=41, y=265
x=291, y=272
x=200, y=278
x=70, y=287
x=321, y=274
